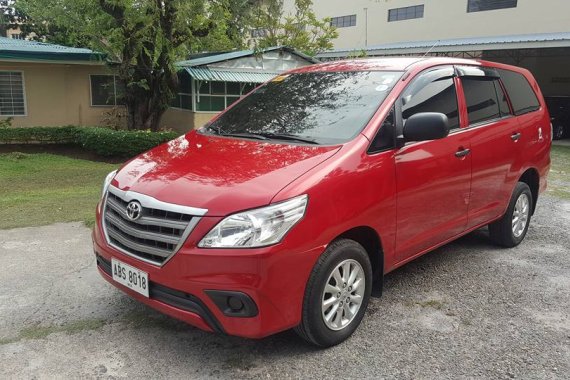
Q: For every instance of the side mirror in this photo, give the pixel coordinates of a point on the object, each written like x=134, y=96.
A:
x=426, y=126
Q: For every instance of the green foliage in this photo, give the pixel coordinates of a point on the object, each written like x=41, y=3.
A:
x=45, y=135
x=358, y=54
x=144, y=38
x=301, y=30
x=103, y=141
x=5, y=123
x=110, y=143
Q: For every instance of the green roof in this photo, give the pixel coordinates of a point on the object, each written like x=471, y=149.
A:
x=228, y=56
x=13, y=49
x=205, y=73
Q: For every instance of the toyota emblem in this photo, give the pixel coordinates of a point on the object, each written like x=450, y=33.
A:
x=134, y=210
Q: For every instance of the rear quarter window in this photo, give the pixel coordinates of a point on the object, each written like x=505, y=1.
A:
x=520, y=92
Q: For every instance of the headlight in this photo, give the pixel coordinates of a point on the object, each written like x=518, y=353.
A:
x=107, y=182
x=256, y=228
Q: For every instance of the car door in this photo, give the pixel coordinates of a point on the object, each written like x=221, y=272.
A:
x=433, y=177
x=495, y=146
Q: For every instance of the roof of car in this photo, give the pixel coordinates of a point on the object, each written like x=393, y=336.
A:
x=386, y=64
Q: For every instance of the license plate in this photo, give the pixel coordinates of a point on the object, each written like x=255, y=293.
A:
x=130, y=277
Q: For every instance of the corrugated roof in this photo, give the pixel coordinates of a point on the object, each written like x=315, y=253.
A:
x=205, y=73
x=237, y=54
x=33, y=50
x=464, y=44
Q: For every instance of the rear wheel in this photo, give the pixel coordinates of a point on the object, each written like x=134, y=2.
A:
x=511, y=229
x=337, y=294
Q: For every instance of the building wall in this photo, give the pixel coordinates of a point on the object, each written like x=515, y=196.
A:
x=184, y=120
x=443, y=19
x=551, y=73
x=60, y=94
x=57, y=94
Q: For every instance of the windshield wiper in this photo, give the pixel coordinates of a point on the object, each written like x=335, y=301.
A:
x=256, y=136
x=289, y=137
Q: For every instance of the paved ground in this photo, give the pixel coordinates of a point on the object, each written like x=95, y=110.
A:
x=466, y=310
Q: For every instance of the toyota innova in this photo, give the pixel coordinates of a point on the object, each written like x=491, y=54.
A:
x=287, y=208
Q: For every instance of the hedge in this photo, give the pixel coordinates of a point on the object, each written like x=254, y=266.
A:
x=103, y=141
x=45, y=135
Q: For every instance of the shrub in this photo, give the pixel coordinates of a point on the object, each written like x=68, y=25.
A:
x=103, y=141
x=45, y=135
x=5, y=123
x=108, y=142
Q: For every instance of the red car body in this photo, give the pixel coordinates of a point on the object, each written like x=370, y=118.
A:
x=399, y=203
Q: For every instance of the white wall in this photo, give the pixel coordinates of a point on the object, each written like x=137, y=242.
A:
x=443, y=19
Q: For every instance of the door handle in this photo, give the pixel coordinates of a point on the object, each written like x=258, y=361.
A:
x=462, y=153
x=516, y=136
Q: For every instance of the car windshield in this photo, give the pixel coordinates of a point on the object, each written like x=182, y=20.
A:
x=318, y=107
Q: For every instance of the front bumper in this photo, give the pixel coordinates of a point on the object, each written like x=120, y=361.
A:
x=274, y=278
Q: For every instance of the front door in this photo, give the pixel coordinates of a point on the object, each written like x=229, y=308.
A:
x=433, y=177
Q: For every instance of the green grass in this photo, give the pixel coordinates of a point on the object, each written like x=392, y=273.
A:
x=559, y=177
x=41, y=189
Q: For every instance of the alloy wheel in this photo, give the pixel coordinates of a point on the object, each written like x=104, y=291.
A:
x=520, y=215
x=343, y=294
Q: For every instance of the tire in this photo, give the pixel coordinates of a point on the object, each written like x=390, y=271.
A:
x=558, y=132
x=503, y=231
x=313, y=327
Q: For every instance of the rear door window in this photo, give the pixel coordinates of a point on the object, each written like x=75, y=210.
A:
x=503, y=102
x=520, y=92
x=482, y=100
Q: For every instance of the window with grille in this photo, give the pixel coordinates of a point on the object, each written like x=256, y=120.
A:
x=106, y=90
x=406, y=13
x=489, y=5
x=12, y=97
x=217, y=96
x=343, y=21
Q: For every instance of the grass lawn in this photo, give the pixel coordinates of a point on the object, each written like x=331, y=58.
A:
x=40, y=189
x=559, y=177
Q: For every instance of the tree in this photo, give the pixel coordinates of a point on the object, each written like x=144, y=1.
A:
x=143, y=38
x=301, y=30
x=9, y=17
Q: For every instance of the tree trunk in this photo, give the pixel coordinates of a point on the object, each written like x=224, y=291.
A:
x=144, y=116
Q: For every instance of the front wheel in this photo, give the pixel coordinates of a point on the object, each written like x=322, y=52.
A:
x=337, y=294
x=510, y=230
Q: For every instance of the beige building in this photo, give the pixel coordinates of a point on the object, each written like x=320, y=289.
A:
x=528, y=33
x=366, y=23
x=211, y=82
x=49, y=85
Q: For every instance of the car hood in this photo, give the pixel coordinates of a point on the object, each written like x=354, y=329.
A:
x=222, y=175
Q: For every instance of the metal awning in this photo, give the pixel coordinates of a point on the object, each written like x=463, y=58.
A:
x=212, y=74
x=524, y=41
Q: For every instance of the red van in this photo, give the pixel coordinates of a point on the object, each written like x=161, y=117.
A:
x=285, y=210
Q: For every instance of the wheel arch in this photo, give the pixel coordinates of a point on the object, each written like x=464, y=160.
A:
x=372, y=243
x=532, y=179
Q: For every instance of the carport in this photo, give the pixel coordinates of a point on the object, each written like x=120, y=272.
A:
x=546, y=55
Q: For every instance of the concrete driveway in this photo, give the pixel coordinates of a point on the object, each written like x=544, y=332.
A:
x=466, y=310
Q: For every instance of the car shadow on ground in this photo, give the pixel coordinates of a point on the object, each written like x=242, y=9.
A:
x=241, y=353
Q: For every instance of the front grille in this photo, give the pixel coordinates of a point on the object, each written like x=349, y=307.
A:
x=156, y=234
